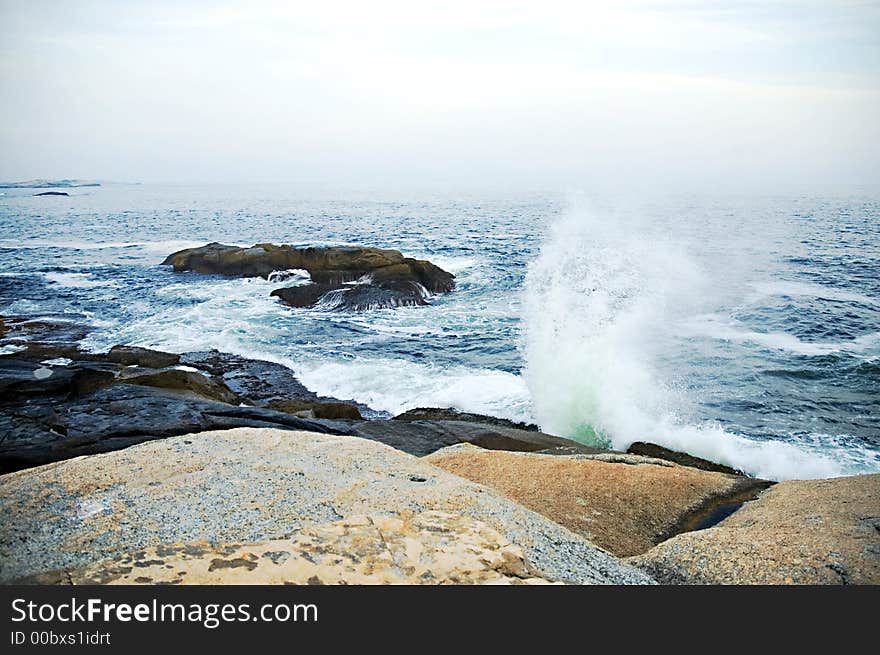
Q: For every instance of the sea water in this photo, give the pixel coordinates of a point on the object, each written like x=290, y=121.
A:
x=744, y=329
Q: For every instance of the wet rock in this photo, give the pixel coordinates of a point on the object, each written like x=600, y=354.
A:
x=451, y=414
x=309, y=409
x=119, y=416
x=25, y=377
x=263, y=485
x=51, y=193
x=180, y=380
x=653, y=450
x=356, y=297
x=44, y=338
x=421, y=438
x=798, y=532
x=135, y=356
x=623, y=503
x=424, y=548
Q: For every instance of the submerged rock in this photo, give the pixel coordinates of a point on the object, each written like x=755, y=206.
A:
x=623, y=503
x=425, y=548
x=797, y=532
x=350, y=278
x=44, y=338
x=262, y=485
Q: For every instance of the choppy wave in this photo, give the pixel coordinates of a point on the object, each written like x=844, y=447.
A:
x=165, y=247
x=725, y=328
x=77, y=280
x=808, y=290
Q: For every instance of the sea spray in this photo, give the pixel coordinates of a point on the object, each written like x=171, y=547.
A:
x=601, y=301
x=597, y=299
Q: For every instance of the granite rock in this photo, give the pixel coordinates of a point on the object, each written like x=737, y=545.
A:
x=798, y=532
x=624, y=503
x=252, y=485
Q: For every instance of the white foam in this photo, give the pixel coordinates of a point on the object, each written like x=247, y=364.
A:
x=219, y=313
x=58, y=361
x=723, y=328
x=806, y=289
x=291, y=275
x=395, y=386
x=453, y=265
x=76, y=280
x=10, y=348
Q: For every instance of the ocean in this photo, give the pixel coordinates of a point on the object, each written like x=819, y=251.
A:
x=743, y=329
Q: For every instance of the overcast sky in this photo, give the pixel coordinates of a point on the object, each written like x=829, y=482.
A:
x=538, y=93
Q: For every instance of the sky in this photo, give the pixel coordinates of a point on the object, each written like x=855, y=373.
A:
x=542, y=94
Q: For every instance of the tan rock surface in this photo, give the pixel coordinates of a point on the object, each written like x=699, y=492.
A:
x=251, y=485
x=798, y=532
x=623, y=503
x=426, y=548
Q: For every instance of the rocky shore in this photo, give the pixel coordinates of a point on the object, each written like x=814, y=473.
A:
x=135, y=466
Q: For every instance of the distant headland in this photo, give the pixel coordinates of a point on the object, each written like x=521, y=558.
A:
x=48, y=184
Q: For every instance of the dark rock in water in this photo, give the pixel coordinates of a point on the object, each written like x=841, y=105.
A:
x=381, y=278
x=659, y=452
x=133, y=355
x=181, y=380
x=325, y=265
x=311, y=409
x=356, y=297
x=424, y=437
x=119, y=416
x=450, y=414
x=52, y=193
